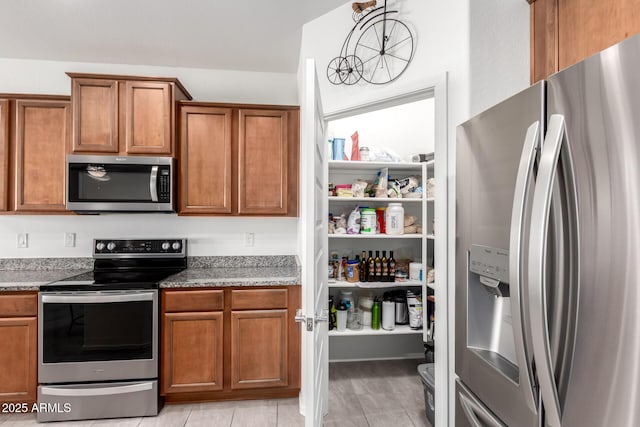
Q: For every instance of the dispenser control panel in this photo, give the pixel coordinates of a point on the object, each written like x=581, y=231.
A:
x=489, y=262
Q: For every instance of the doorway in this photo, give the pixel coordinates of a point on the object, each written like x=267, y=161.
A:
x=399, y=128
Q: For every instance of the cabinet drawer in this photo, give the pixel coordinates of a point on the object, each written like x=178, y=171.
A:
x=17, y=305
x=193, y=300
x=242, y=299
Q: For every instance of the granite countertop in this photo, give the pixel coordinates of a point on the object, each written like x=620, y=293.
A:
x=31, y=280
x=275, y=270
x=28, y=274
x=271, y=270
x=233, y=276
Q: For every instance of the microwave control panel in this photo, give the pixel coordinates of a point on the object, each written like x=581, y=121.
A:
x=164, y=184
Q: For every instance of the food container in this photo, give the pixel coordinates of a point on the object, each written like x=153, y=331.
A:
x=366, y=304
x=367, y=221
x=344, y=190
x=380, y=220
x=394, y=219
x=415, y=271
x=365, y=155
x=353, y=271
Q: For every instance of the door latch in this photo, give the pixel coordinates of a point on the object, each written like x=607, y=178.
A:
x=301, y=318
x=310, y=321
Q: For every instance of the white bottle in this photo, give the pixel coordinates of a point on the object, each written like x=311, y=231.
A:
x=394, y=218
x=388, y=315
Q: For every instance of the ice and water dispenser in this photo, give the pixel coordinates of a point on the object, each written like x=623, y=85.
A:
x=489, y=326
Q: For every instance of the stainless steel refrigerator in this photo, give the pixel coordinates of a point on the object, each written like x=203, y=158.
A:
x=548, y=251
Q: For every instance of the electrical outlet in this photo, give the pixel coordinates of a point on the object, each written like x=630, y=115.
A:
x=69, y=240
x=249, y=239
x=22, y=240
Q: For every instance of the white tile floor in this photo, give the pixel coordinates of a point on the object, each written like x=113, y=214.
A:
x=367, y=394
x=381, y=393
x=247, y=413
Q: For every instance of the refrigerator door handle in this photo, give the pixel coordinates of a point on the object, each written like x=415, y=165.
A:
x=476, y=414
x=516, y=242
x=541, y=208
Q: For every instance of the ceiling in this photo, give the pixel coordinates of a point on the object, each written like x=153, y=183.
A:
x=233, y=35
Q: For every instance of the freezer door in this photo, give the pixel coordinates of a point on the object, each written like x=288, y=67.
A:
x=496, y=161
x=599, y=101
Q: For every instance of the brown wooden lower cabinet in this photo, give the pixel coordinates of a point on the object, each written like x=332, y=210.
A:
x=259, y=349
x=18, y=344
x=194, y=351
x=241, y=344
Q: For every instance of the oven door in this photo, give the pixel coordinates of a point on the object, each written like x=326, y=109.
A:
x=97, y=336
x=119, y=183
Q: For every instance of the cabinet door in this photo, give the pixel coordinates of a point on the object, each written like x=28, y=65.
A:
x=4, y=155
x=192, y=352
x=587, y=27
x=41, y=140
x=95, y=115
x=259, y=349
x=205, y=160
x=263, y=164
x=147, y=117
x=18, y=359
x=566, y=32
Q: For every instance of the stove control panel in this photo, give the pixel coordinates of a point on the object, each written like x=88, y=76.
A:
x=139, y=248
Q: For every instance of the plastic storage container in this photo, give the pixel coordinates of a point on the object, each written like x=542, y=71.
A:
x=427, y=376
x=368, y=221
x=394, y=219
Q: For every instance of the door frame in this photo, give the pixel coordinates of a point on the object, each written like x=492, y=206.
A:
x=435, y=87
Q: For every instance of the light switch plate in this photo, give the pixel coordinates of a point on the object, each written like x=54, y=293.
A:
x=22, y=240
x=69, y=240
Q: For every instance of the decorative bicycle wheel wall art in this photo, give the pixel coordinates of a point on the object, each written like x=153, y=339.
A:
x=382, y=51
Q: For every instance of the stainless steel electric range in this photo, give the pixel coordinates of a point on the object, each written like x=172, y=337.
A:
x=98, y=332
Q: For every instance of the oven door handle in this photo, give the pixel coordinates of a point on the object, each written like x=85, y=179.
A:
x=100, y=391
x=97, y=298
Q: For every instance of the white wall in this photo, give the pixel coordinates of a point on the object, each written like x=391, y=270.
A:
x=440, y=45
x=48, y=77
x=499, y=51
x=401, y=129
x=207, y=236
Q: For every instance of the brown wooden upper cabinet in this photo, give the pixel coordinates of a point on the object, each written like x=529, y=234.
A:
x=238, y=159
x=4, y=155
x=34, y=140
x=124, y=114
x=565, y=32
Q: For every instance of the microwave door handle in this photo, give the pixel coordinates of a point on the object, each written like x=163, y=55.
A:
x=516, y=255
x=540, y=217
x=153, y=183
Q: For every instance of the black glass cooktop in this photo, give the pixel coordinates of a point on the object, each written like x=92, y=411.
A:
x=120, y=274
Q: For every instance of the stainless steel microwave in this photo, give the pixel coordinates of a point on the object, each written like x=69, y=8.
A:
x=120, y=184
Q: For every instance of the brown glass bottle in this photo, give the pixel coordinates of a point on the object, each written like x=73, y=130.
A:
x=363, y=267
x=378, y=267
x=385, y=267
x=371, y=268
x=392, y=267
